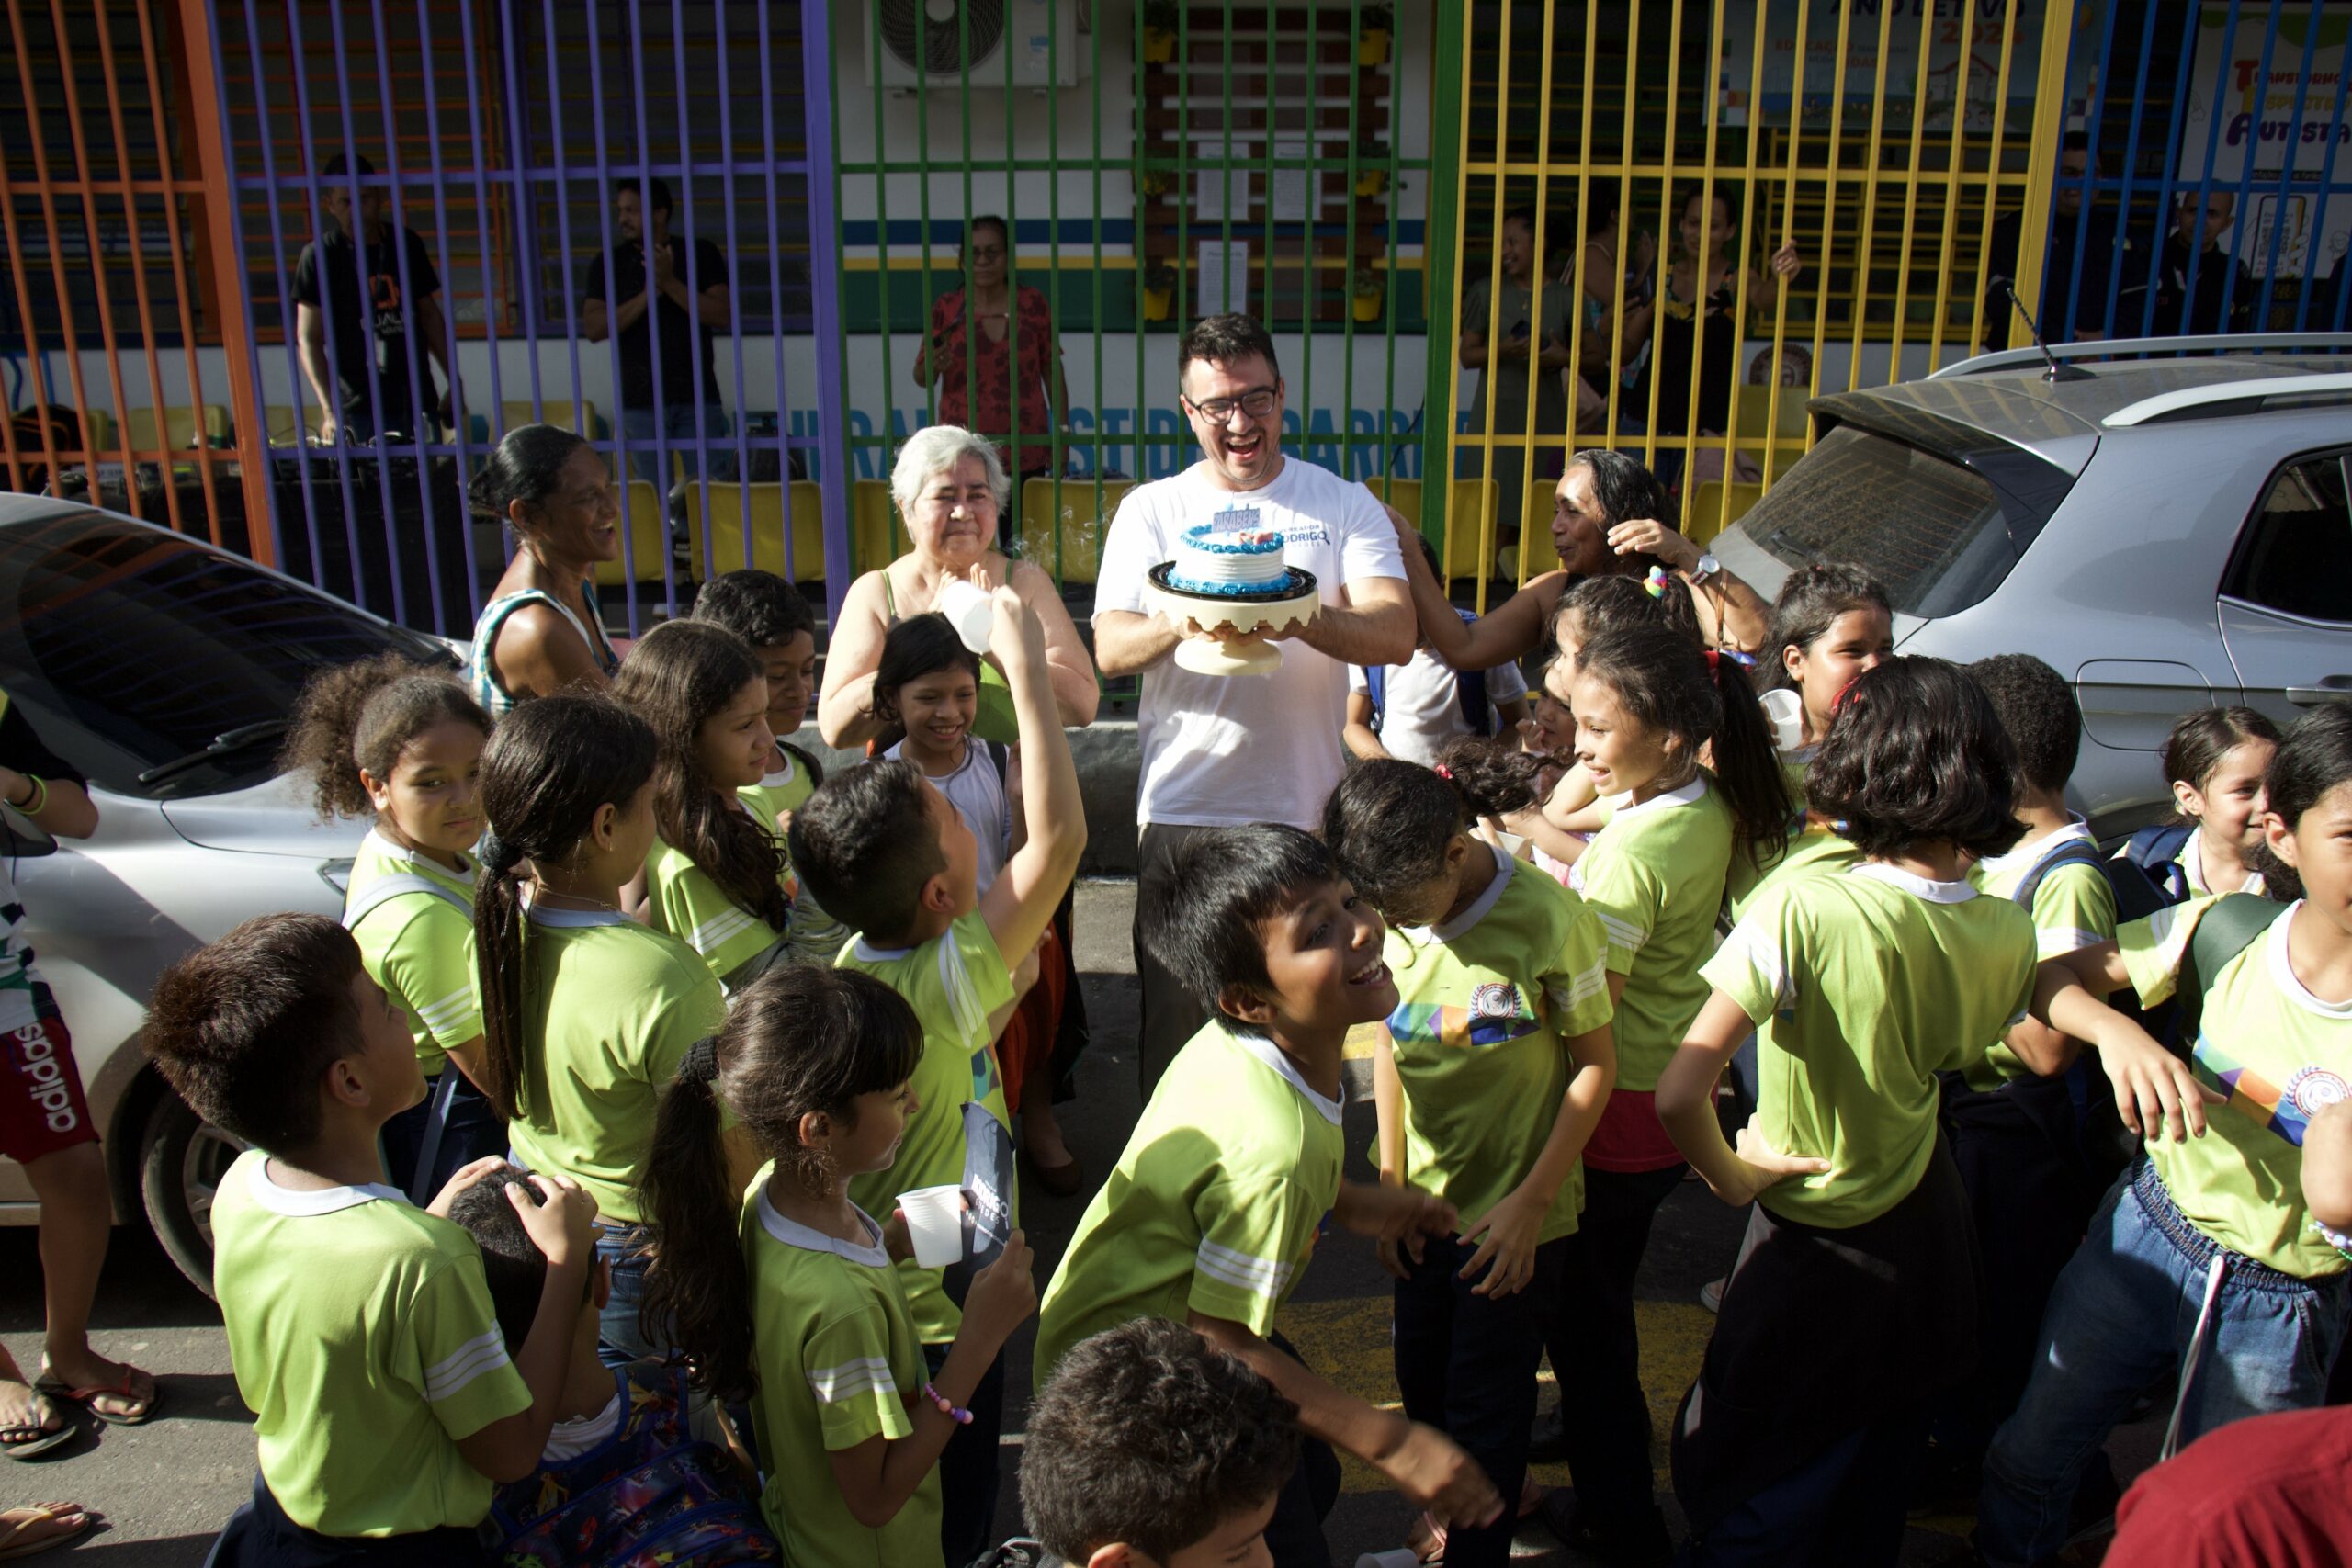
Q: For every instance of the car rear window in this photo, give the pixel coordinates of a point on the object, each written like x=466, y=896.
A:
x=1930, y=530
x=130, y=648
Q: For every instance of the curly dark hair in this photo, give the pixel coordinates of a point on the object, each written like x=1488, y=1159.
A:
x=1148, y=1436
x=681, y=675
x=242, y=1028
x=758, y=607
x=359, y=717
x=2037, y=706
x=1389, y=822
x=1917, y=757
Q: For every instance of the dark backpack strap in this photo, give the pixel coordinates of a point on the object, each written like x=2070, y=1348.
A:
x=2074, y=852
x=816, y=769
x=1002, y=757
x=2222, y=931
x=2156, y=851
x=436, y=1122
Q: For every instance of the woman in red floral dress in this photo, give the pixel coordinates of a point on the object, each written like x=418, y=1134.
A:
x=971, y=353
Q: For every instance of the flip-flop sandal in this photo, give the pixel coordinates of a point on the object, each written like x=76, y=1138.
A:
x=42, y=1440
x=17, y=1521
x=54, y=1386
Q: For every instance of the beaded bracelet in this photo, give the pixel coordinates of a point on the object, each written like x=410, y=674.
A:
x=947, y=1406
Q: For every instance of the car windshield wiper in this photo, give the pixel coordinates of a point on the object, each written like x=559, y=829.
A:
x=236, y=739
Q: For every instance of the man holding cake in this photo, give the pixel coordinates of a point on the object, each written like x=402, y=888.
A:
x=1227, y=750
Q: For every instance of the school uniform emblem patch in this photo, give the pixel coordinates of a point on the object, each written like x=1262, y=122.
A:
x=1497, y=999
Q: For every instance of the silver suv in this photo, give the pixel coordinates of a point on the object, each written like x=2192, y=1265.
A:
x=165, y=670
x=2165, y=521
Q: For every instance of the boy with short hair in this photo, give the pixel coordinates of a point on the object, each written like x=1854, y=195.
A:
x=770, y=613
x=1150, y=1447
x=619, y=1434
x=2015, y=1136
x=1212, y=1213
x=889, y=855
x=360, y=1328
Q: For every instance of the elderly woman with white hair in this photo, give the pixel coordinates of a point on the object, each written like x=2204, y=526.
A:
x=950, y=489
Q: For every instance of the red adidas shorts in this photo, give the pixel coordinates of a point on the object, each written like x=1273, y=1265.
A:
x=43, y=1109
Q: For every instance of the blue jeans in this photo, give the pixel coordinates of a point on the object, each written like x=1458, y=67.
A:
x=677, y=423
x=620, y=1338
x=1465, y=1364
x=2123, y=1314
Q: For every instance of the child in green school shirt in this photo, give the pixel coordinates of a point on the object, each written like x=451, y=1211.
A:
x=889, y=855
x=361, y=1327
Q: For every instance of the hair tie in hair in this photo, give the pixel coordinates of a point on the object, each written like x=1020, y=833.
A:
x=1714, y=660
x=701, y=1062
x=1654, y=584
x=1848, y=697
x=495, y=853
x=1444, y=773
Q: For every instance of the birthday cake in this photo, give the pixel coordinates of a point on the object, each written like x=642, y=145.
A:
x=1229, y=562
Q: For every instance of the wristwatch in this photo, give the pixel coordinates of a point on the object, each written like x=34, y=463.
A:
x=1707, y=566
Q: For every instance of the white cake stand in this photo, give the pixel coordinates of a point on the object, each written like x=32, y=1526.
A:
x=1236, y=617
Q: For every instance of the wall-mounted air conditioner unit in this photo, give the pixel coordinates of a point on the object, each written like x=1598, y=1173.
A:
x=939, y=44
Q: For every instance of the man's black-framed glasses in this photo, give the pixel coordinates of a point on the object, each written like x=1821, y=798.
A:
x=1257, y=402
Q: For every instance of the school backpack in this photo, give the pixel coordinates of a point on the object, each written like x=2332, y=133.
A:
x=650, y=1495
x=1469, y=690
x=2156, y=852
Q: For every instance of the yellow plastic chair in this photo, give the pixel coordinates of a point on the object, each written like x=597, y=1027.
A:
x=98, y=432
x=870, y=518
x=283, y=424
x=645, y=539
x=768, y=511
x=178, y=428
x=1465, y=510
x=1705, y=517
x=1072, y=540
x=1755, y=417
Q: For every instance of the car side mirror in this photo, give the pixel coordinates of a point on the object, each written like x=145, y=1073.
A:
x=20, y=837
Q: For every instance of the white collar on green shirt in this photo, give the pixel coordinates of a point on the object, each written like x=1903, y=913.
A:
x=1695, y=790
x=792, y=1232
x=2192, y=860
x=869, y=954
x=1266, y=1050
x=409, y=857
x=1480, y=907
x=296, y=1204
x=2026, y=856
x=1933, y=892
x=574, y=919
x=2282, y=970
x=783, y=775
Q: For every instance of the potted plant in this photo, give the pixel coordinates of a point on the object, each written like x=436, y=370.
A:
x=1372, y=168
x=1160, y=281
x=1370, y=292
x=1155, y=182
x=1160, y=21
x=1372, y=43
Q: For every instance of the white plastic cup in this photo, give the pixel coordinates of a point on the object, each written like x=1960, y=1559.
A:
x=1784, y=711
x=971, y=612
x=1395, y=1557
x=935, y=1225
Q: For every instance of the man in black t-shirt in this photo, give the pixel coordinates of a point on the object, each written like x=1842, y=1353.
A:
x=371, y=316
x=688, y=305
x=2225, y=299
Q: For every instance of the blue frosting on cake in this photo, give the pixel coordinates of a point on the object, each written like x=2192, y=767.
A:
x=1236, y=548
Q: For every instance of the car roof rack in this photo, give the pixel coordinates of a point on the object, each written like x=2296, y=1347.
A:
x=2031, y=359
x=2262, y=392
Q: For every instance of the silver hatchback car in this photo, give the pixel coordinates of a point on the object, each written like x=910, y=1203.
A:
x=165, y=670
x=2168, y=529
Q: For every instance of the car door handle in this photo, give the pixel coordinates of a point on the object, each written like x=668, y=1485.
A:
x=2331, y=689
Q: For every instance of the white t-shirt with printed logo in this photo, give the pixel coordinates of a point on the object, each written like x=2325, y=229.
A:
x=1229, y=751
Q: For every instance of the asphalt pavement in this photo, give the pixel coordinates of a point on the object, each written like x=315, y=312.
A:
x=167, y=1487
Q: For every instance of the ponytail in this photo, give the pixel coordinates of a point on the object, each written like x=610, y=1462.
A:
x=1748, y=765
x=797, y=1042
x=1702, y=699
x=547, y=768
x=359, y=717
x=697, y=1290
